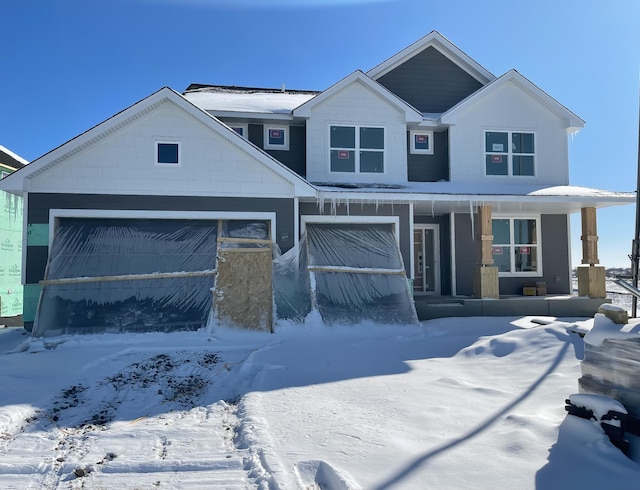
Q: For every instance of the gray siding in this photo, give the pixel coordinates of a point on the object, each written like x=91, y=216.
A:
x=36, y=263
x=295, y=157
x=40, y=204
x=466, y=254
x=555, y=257
x=429, y=168
x=444, y=225
x=400, y=210
x=430, y=82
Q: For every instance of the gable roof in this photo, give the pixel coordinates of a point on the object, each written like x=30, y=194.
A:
x=573, y=122
x=442, y=44
x=16, y=182
x=411, y=113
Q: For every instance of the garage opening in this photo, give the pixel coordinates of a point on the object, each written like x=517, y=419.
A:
x=114, y=275
x=347, y=272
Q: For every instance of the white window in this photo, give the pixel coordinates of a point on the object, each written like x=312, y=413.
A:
x=3, y=174
x=421, y=142
x=509, y=153
x=516, y=246
x=358, y=149
x=167, y=153
x=241, y=129
x=276, y=137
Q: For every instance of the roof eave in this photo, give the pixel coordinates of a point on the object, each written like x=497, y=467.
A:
x=440, y=42
x=412, y=115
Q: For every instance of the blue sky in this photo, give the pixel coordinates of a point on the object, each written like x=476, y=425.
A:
x=67, y=65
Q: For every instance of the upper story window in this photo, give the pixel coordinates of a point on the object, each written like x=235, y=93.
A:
x=509, y=153
x=167, y=153
x=421, y=142
x=276, y=137
x=241, y=129
x=516, y=246
x=3, y=174
x=357, y=149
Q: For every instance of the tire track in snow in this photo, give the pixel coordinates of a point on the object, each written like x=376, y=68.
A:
x=66, y=444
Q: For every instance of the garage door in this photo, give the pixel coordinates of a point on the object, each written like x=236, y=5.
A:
x=357, y=273
x=134, y=274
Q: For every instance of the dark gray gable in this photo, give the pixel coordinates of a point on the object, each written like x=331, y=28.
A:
x=430, y=82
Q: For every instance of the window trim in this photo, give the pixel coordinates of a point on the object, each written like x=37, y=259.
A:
x=157, y=153
x=282, y=147
x=509, y=153
x=412, y=143
x=243, y=126
x=357, y=148
x=512, y=258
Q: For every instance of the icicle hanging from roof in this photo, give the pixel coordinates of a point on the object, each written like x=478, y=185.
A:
x=473, y=228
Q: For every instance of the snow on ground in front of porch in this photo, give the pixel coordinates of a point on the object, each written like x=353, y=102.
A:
x=449, y=404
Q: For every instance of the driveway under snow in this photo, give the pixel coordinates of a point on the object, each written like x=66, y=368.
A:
x=453, y=403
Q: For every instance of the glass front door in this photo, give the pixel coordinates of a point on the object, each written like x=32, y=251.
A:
x=426, y=260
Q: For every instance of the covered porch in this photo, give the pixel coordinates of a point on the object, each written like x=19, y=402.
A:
x=474, y=260
x=429, y=307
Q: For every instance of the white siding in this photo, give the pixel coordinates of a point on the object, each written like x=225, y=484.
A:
x=356, y=105
x=124, y=163
x=509, y=109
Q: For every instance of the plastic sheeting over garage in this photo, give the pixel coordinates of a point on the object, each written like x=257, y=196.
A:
x=135, y=274
x=348, y=273
x=115, y=275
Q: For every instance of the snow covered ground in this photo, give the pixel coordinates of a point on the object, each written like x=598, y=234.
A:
x=452, y=403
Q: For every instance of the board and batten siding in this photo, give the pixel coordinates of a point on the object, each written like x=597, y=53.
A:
x=430, y=82
x=355, y=104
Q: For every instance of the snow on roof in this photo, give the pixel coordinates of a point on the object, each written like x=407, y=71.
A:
x=239, y=99
x=446, y=197
x=472, y=188
x=17, y=158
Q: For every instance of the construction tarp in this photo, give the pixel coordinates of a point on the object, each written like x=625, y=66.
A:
x=128, y=274
x=349, y=272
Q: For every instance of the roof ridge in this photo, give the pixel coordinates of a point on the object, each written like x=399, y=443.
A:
x=198, y=87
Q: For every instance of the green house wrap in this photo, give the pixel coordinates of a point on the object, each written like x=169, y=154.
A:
x=10, y=254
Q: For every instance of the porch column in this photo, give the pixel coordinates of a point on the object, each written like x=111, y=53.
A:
x=591, y=277
x=485, y=281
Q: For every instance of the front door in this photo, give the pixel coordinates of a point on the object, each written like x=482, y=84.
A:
x=426, y=259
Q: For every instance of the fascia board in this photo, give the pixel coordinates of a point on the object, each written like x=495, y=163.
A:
x=19, y=182
x=411, y=114
x=301, y=186
x=93, y=134
x=252, y=116
x=442, y=44
x=573, y=122
x=463, y=203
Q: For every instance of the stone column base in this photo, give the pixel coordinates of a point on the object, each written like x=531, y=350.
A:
x=485, y=282
x=591, y=281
